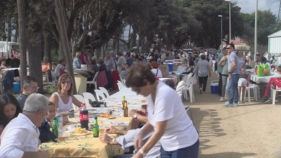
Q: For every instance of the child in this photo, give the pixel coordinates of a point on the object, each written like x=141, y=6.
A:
x=45, y=132
x=51, y=113
x=273, y=82
x=242, y=83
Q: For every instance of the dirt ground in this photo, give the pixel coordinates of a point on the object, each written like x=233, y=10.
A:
x=251, y=130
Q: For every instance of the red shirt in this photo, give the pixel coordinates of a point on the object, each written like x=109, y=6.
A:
x=84, y=55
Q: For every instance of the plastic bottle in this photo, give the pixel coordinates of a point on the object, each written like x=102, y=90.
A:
x=84, y=118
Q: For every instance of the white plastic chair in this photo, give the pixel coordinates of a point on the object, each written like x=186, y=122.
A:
x=79, y=98
x=99, y=94
x=248, y=89
x=120, y=85
x=88, y=96
x=94, y=81
x=188, y=82
x=273, y=93
x=180, y=87
x=105, y=92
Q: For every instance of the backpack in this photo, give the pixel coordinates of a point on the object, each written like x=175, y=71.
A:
x=45, y=134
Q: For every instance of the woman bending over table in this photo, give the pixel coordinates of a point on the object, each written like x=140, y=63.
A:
x=166, y=117
x=64, y=98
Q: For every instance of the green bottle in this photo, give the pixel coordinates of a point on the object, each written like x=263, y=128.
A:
x=96, y=128
x=55, y=126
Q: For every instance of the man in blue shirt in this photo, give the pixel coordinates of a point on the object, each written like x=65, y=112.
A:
x=29, y=86
x=234, y=72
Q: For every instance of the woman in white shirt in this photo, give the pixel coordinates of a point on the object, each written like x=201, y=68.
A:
x=203, y=69
x=155, y=70
x=166, y=117
x=64, y=98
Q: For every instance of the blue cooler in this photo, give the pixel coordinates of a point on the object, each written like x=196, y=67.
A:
x=214, y=87
x=171, y=67
x=16, y=86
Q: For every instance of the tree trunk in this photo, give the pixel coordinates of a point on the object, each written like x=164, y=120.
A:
x=9, y=28
x=61, y=51
x=116, y=39
x=21, y=25
x=114, y=42
x=64, y=40
x=134, y=37
x=98, y=52
x=35, y=56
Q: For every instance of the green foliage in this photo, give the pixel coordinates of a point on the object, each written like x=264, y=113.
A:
x=267, y=24
x=206, y=12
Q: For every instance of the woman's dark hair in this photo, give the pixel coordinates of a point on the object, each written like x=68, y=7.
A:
x=232, y=45
x=61, y=61
x=93, y=62
x=101, y=61
x=138, y=73
x=6, y=99
x=203, y=57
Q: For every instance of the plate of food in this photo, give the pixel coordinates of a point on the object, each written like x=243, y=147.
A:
x=78, y=131
x=105, y=115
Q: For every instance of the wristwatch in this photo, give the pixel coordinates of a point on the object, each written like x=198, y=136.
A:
x=142, y=153
x=135, y=116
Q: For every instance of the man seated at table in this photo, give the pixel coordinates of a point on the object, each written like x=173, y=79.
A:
x=29, y=86
x=20, y=136
x=273, y=82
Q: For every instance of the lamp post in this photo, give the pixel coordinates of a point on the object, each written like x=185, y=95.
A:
x=220, y=16
x=256, y=31
x=229, y=12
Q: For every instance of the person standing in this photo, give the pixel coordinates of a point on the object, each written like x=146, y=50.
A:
x=109, y=62
x=20, y=137
x=233, y=75
x=166, y=117
x=29, y=86
x=219, y=70
x=224, y=76
x=121, y=62
x=203, y=69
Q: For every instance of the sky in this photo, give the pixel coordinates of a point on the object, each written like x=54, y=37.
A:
x=248, y=6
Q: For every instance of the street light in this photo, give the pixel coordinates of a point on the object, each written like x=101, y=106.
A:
x=229, y=10
x=220, y=16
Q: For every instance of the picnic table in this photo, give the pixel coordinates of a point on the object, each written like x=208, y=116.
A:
x=85, y=145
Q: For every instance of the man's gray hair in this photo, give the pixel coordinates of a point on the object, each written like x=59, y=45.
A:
x=35, y=102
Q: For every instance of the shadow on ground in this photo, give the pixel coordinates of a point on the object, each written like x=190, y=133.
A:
x=228, y=155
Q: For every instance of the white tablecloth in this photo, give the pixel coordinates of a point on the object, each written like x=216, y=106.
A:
x=134, y=101
x=177, y=72
x=262, y=79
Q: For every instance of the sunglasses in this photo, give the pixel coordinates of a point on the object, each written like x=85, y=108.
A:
x=228, y=48
x=136, y=90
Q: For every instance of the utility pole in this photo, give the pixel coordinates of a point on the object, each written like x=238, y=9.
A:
x=256, y=31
